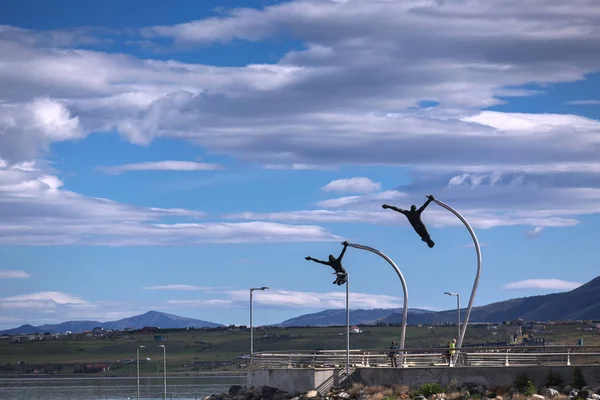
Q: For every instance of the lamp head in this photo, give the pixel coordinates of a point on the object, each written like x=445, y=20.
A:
x=265, y=288
x=142, y=346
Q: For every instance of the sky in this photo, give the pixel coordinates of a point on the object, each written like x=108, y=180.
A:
x=168, y=156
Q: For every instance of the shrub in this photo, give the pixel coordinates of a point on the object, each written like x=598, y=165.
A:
x=521, y=382
x=428, y=389
x=355, y=390
x=578, y=380
x=530, y=389
x=553, y=379
x=400, y=390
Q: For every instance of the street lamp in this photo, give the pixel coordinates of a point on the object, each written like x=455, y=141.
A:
x=457, y=307
x=137, y=357
x=164, y=367
x=251, y=326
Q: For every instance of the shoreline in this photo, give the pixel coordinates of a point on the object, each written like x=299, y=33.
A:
x=208, y=374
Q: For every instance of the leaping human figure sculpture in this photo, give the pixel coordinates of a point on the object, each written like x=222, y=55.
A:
x=414, y=217
x=336, y=264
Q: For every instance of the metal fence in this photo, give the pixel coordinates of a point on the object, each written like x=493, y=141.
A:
x=432, y=357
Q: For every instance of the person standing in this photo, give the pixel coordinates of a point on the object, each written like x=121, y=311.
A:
x=393, y=354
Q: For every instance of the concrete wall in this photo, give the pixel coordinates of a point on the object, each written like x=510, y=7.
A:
x=297, y=379
x=485, y=376
x=304, y=379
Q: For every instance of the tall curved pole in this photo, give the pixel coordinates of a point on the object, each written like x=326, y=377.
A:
x=476, y=282
x=405, y=310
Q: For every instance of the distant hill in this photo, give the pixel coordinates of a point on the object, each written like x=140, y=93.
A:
x=338, y=317
x=151, y=318
x=580, y=303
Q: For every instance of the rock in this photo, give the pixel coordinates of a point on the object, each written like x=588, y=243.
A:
x=343, y=395
x=478, y=390
x=311, y=394
x=281, y=395
x=498, y=398
x=267, y=391
x=419, y=398
x=363, y=396
x=566, y=390
x=549, y=392
x=595, y=396
x=512, y=391
x=234, y=390
x=573, y=393
x=537, y=397
x=464, y=395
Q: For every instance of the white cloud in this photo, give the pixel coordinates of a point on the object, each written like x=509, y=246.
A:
x=300, y=167
x=54, y=297
x=288, y=298
x=356, y=185
x=36, y=210
x=583, y=102
x=175, y=287
x=161, y=166
x=535, y=232
x=349, y=96
x=556, y=284
x=14, y=274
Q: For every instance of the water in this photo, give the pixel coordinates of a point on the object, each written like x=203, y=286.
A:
x=106, y=388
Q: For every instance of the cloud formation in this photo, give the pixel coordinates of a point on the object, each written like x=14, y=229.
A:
x=349, y=96
x=35, y=209
x=160, y=166
x=14, y=274
x=546, y=284
x=176, y=287
x=355, y=185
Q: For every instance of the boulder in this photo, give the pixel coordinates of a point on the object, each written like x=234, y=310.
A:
x=234, y=390
x=281, y=395
x=537, y=397
x=268, y=391
x=549, y=392
x=594, y=396
x=419, y=398
x=343, y=395
x=311, y=394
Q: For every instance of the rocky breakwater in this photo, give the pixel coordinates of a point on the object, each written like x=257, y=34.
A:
x=429, y=391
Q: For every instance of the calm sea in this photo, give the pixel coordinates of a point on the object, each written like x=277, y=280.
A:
x=114, y=388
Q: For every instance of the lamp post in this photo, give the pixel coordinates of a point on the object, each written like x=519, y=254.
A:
x=251, y=326
x=404, y=288
x=457, y=307
x=164, y=367
x=347, y=333
x=477, y=275
x=137, y=357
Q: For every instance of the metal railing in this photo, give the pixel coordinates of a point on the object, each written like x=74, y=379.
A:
x=433, y=357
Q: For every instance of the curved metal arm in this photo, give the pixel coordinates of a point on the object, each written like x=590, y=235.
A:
x=404, y=288
x=476, y=282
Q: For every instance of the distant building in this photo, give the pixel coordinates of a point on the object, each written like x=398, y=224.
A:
x=355, y=329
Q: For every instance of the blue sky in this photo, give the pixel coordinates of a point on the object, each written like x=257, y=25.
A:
x=168, y=156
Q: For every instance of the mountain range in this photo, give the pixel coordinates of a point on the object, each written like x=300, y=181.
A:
x=582, y=303
x=151, y=318
x=578, y=304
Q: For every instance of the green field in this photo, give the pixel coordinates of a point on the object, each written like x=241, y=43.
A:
x=209, y=350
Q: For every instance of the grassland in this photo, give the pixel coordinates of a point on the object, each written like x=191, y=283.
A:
x=217, y=350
